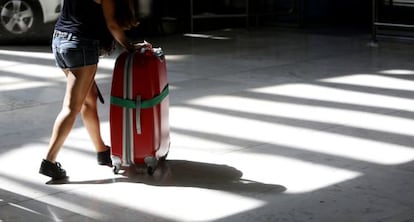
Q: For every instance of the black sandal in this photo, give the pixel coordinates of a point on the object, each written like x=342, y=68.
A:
x=53, y=170
x=104, y=157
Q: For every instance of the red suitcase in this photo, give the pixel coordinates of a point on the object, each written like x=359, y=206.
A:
x=139, y=112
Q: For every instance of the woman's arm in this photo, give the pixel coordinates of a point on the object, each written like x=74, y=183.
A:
x=108, y=7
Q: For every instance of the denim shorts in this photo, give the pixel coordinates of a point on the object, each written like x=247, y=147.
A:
x=72, y=51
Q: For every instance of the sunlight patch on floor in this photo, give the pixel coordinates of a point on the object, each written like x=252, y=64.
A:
x=372, y=80
x=24, y=85
x=337, y=95
x=92, y=182
x=310, y=116
x=107, y=63
x=6, y=63
x=257, y=131
x=179, y=203
x=27, y=76
x=398, y=72
x=296, y=175
x=29, y=54
x=33, y=71
x=205, y=36
x=176, y=58
x=6, y=80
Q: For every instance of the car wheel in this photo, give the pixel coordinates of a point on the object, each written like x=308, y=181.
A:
x=19, y=17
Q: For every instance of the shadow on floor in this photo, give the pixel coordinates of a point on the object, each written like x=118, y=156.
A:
x=184, y=173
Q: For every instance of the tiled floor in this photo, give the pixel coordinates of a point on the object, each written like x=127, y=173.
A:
x=266, y=125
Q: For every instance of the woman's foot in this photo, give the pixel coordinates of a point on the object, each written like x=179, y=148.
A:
x=104, y=157
x=53, y=170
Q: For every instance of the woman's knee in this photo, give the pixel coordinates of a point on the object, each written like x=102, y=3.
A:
x=72, y=106
x=70, y=111
x=87, y=107
x=90, y=105
x=91, y=98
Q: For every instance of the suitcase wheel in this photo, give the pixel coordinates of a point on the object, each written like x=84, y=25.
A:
x=163, y=158
x=116, y=169
x=151, y=163
x=150, y=170
x=116, y=162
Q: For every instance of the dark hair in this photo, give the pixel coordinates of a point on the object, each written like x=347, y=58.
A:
x=125, y=13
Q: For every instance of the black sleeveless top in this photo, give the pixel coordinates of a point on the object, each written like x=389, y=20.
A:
x=83, y=18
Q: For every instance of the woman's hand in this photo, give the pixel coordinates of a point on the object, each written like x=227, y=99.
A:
x=142, y=46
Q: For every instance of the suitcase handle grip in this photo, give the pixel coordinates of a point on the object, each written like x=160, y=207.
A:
x=146, y=47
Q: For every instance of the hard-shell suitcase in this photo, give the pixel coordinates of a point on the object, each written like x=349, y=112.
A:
x=139, y=112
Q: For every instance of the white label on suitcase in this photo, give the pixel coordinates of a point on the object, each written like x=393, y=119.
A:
x=138, y=114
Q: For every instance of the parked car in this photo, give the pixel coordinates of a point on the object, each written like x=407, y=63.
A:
x=23, y=18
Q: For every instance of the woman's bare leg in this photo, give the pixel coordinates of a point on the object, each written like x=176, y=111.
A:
x=90, y=118
x=79, y=82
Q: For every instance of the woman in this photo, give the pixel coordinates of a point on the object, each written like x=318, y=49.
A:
x=76, y=48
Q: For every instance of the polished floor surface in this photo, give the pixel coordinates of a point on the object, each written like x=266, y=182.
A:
x=266, y=125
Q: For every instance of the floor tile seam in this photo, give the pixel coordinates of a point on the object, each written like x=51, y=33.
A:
x=246, y=71
x=339, y=56
x=231, y=53
x=327, y=127
x=42, y=196
x=387, y=51
x=66, y=190
x=296, y=157
x=32, y=105
x=17, y=132
x=387, y=198
x=258, y=144
x=51, y=217
x=202, y=79
x=336, y=129
x=236, y=150
x=292, y=63
x=394, y=48
x=278, y=66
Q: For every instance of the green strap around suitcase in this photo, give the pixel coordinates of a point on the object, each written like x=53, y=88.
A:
x=132, y=104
